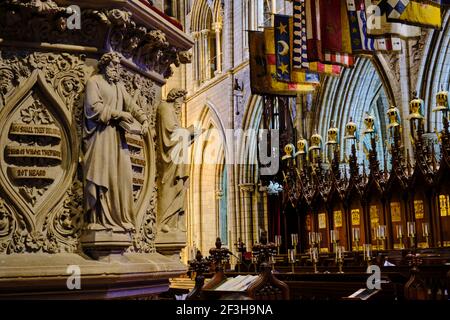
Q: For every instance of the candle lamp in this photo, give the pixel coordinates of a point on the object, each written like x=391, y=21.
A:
x=382, y=235
x=314, y=258
x=334, y=236
x=311, y=238
x=367, y=252
x=356, y=235
x=255, y=259
x=426, y=232
x=239, y=261
x=318, y=239
x=411, y=226
x=292, y=258
x=272, y=260
x=294, y=241
x=278, y=243
x=340, y=257
x=376, y=236
x=399, y=229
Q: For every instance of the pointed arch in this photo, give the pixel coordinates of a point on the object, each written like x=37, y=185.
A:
x=208, y=161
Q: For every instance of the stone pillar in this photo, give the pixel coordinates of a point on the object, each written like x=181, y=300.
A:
x=274, y=11
x=218, y=30
x=263, y=195
x=247, y=217
x=197, y=65
x=299, y=117
x=205, y=67
x=219, y=196
x=406, y=94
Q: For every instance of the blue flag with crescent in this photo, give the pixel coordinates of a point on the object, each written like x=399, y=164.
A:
x=283, y=47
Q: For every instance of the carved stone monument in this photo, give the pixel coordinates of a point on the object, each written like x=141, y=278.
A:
x=78, y=165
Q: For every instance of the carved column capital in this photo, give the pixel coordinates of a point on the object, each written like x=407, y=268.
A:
x=219, y=194
x=218, y=26
x=247, y=187
x=195, y=35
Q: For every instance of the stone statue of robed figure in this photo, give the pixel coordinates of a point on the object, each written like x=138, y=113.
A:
x=108, y=109
x=172, y=169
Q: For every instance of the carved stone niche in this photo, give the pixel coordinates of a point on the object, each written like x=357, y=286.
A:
x=38, y=160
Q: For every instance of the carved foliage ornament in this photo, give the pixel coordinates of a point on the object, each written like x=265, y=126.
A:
x=45, y=21
x=41, y=109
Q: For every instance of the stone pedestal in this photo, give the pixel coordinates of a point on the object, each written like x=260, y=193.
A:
x=51, y=276
x=103, y=244
x=170, y=244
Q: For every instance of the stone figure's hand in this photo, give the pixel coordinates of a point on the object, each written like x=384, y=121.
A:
x=127, y=117
x=144, y=127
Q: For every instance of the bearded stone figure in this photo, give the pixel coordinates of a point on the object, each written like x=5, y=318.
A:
x=107, y=165
x=172, y=170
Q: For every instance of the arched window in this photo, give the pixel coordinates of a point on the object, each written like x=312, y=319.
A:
x=206, y=28
x=435, y=73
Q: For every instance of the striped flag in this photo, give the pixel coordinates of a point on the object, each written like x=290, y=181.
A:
x=327, y=32
x=300, y=55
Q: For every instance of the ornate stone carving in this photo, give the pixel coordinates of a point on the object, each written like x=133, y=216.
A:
x=392, y=58
x=144, y=240
x=144, y=91
x=36, y=158
x=416, y=53
x=110, y=112
x=64, y=227
x=148, y=48
x=44, y=21
x=171, y=168
x=47, y=22
x=185, y=57
x=49, y=215
x=39, y=6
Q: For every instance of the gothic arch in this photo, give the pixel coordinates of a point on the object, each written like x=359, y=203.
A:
x=434, y=71
x=207, y=158
x=357, y=91
x=248, y=150
x=203, y=14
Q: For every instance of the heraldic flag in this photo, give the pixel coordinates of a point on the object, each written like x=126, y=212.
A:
x=300, y=55
x=263, y=69
x=414, y=12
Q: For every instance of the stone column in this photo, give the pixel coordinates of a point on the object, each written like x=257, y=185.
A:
x=263, y=195
x=218, y=30
x=274, y=11
x=247, y=210
x=205, y=66
x=219, y=196
x=197, y=64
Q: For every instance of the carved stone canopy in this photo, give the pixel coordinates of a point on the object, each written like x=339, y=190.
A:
x=154, y=48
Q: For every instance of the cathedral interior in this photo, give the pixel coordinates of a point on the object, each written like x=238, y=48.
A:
x=218, y=150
